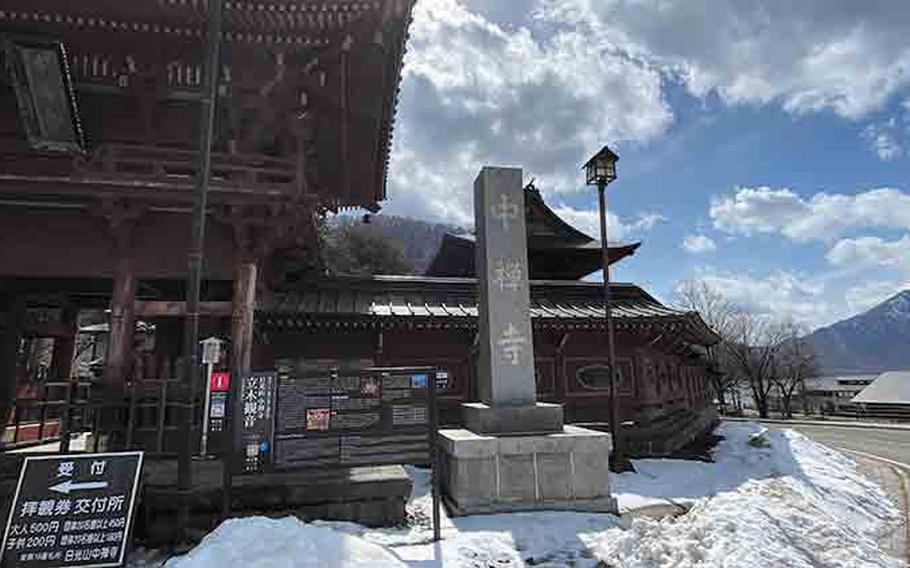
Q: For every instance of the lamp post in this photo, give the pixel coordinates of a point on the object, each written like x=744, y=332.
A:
x=600, y=170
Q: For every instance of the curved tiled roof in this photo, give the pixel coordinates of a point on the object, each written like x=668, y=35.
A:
x=454, y=300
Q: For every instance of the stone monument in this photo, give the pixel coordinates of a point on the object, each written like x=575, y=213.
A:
x=515, y=453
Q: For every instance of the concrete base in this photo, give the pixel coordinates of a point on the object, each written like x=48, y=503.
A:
x=568, y=471
x=372, y=496
x=538, y=418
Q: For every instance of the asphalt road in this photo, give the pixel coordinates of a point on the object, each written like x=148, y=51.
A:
x=891, y=444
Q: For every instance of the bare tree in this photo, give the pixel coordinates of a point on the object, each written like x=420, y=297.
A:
x=794, y=363
x=753, y=351
x=721, y=316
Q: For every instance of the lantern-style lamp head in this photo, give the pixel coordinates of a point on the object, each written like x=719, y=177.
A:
x=601, y=168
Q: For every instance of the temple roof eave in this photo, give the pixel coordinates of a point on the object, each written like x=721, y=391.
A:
x=424, y=302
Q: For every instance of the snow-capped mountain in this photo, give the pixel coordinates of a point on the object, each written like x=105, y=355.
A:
x=873, y=341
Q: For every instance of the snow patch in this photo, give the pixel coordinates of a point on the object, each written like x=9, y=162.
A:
x=254, y=542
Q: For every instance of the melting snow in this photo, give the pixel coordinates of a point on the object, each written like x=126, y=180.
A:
x=794, y=503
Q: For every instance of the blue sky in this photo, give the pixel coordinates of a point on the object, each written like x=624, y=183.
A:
x=764, y=147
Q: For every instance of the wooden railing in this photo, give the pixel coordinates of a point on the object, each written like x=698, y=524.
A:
x=153, y=415
x=140, y=166
x=237, y=172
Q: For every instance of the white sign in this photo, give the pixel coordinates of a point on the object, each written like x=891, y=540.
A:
x=211, y=350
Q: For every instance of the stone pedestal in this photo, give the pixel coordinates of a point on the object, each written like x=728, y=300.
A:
x=537, y=418
x=515, y=454
x=567, y=470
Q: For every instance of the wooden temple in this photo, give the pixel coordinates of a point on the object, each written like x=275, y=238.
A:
x=99, y=113
x=397, y=320
x=99, y=119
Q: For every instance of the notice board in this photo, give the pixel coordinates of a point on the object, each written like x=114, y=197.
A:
x=72, y=510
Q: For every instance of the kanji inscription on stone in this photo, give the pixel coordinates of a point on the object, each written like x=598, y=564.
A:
x=506, y=365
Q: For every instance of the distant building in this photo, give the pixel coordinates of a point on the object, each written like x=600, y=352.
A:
x=887, y=397
x=834, y=393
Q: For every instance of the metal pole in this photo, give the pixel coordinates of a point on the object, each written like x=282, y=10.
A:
x=608, y=320
x=204, y=444
x=435, y=479
x=197, y=239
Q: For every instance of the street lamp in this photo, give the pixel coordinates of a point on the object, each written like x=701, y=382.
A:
x=600, y=170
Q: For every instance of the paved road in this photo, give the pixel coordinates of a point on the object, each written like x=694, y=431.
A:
x=890, y=444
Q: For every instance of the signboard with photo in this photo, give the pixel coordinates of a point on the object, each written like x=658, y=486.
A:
x=351, y=416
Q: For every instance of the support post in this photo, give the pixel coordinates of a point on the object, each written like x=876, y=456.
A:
x=196, y=251
x=122, y=323
x=245, y=271
x=11, y=323
x=65, y=346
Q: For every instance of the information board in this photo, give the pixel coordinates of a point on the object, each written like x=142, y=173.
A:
x=72, y=510
x=254, y=423
x=349, y=418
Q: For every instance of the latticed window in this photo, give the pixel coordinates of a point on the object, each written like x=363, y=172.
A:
x=597, y=376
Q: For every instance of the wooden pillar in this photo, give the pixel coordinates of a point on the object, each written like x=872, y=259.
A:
x=122, y=323
x=65, y=346
x=12, y=316
x=244, y=301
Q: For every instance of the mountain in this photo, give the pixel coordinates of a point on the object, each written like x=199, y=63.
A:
x=873, y=341
x=418, y=240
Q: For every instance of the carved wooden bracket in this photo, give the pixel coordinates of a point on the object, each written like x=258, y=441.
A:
x=119, y=217
x=260, y=230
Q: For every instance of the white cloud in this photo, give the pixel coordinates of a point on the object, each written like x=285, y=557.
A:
x=756, y=210
x=823, y=216
x=542, y=83
x=588, y=222
x=886, y=138
x=647, y=221
x=869, y=294
x=540, y=96
x=698, y=244
x=780, y=294
x=810, y=55
x=871, y=251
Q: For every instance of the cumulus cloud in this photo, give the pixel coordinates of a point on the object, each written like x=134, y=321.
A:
x=543, y=96
x=647, y=221
x=869, y=294
x=871, y=251
x=780, y=294
x=886, y=139
x=811, y=55
x=698, y=244
x=823, y=216
x=588, y=221
x=542, y=83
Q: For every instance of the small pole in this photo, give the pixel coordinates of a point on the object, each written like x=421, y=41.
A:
x=203, y=450
x=434, y=454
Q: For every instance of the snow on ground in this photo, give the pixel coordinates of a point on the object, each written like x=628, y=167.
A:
x=795, y=503
x=255, y=542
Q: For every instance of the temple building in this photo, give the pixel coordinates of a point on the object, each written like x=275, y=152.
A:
x=99, y=111
x=398, y=320
x=100, y=108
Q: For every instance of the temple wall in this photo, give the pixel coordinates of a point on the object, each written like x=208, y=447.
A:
x=653, y=383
